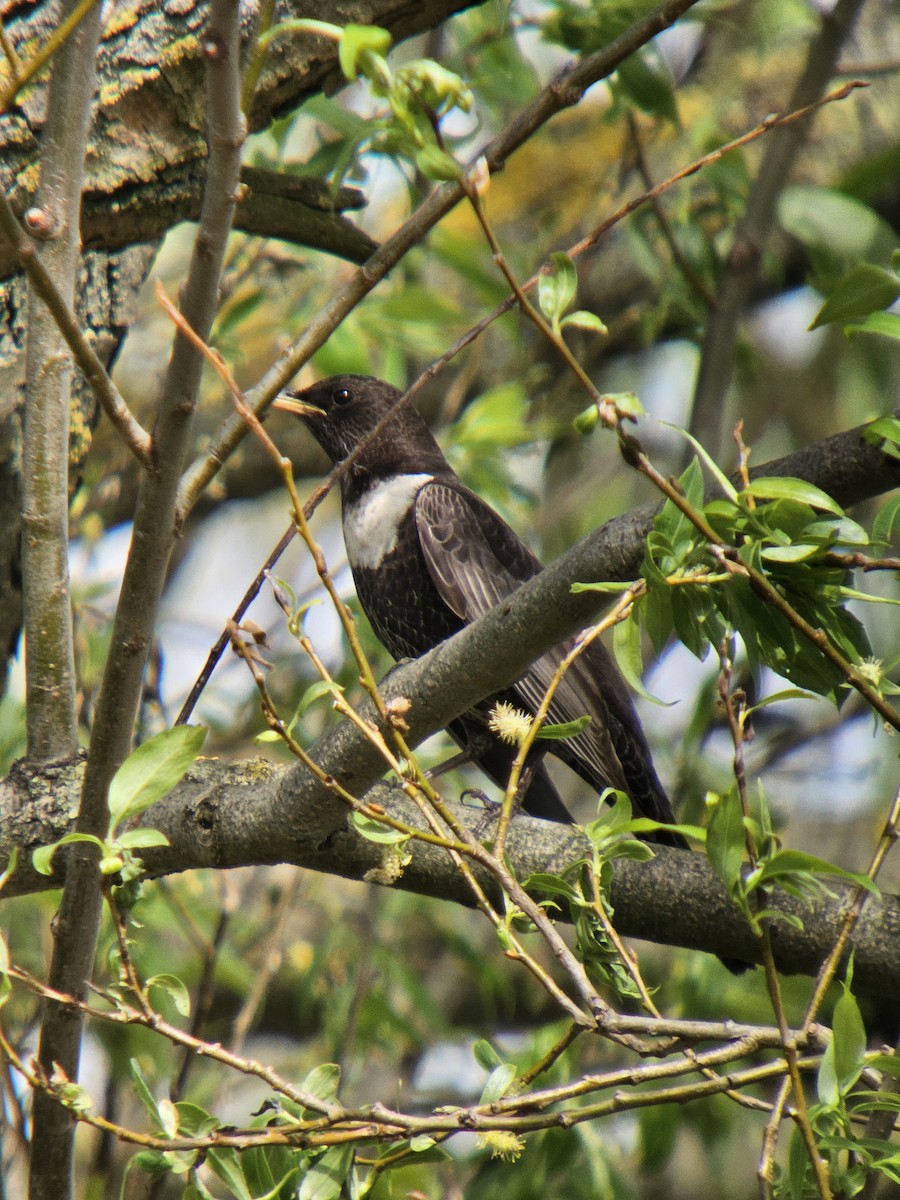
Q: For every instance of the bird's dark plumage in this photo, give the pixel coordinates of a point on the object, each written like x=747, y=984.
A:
x=429, y=556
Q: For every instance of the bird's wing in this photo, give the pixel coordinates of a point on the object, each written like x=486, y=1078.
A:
x=460, y=537
x=475, y=561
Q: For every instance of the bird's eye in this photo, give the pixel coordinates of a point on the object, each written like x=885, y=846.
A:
x=341, y=396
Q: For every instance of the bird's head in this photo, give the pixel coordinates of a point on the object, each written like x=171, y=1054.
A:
x=345, y=409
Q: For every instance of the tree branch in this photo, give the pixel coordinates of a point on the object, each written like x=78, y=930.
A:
x=78, y=919
x=256, y=813
x=563, y=92
x=226, y=815
x=709, y=415
x=49, y=649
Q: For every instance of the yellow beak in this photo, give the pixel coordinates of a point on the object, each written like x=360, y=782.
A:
x=297, y=407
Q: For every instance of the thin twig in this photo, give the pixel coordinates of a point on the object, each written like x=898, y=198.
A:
x=709, y=415
x=23, y=71
x=563, y=92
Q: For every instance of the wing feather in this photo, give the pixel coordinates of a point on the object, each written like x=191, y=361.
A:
x=476, y=560
x=458, y=534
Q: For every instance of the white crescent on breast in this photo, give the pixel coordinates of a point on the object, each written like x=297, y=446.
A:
x=372, y=523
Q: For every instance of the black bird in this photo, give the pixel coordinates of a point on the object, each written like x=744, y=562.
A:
x=429, y=556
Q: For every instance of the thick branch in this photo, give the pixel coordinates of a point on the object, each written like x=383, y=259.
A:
x=49, y=650
x=237, y=814
x=147, y=156
x=254, y=814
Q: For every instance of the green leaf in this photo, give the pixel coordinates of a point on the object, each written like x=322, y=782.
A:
x=376, y=831
x=887, y=522
x=552, y=885
x=585, y=423
x=614, y=589
x=486, y=1056
x=585, y=320
x=888, y=1063
x=775, y=487
x=315, y=691
x=134, y=839
x=627, y=652
x=721, y=478
x=564, y=730
x=325, y=1178
x=785, y=694
x=142, y=1090
x=791, y=554
x=795, y=862
x=626, y=404
x=864, y=290
x=649, y=85
x=883, y=324
x=227, y=1165
x=174, y=988
x=498, y=1083
x=42, y=858
x=725, y=840
x=322, y=1081
x=849, y=1041
x=357, y=41
x=152, y=770
x=884, y=433
x=435, y=163
x=838, y=230
x=557, y=287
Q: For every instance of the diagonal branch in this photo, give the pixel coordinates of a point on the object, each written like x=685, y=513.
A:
x=563, y=92
x=709, y=417
x=234, y=815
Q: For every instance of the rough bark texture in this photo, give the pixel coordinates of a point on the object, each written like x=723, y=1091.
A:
x=144, y=173
x=147, y=152
x=254, y=813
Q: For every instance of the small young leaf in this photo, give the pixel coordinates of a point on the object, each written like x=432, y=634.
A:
x=174, y=988
x=725, y=841
x=42, y=858
x=883, y=324
x=486, y=1056
x=152, y=770
x=228, y=1166
x=322, y=1081
x=142, y=1090
x=585, y=320
x=567, y=729
x=376, y=831
x=498, y=1083
x=357, y=41
x=849, y=1041
x=138, y=839
x=557, y=287
x=627, y=651
x=168, y=1117
x=724, y=482
x=435, y=163
x=322, y=687
x=789, y=862
x=421, y=1142
x=887, y=522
